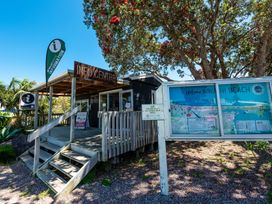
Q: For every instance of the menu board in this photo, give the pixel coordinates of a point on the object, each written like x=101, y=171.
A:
x=194, y=110
x=81, y=120
x=246, y=108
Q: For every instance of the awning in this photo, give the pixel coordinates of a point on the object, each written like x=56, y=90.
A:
x=62, y=85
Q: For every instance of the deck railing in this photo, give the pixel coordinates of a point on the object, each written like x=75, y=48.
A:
x=125, y=131
x=28, y=120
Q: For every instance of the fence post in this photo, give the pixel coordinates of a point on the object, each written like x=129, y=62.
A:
x=104, y=136
x=134, y=122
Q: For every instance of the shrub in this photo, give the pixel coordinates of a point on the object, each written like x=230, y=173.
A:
x=8, y=132
x=7, y=154
x=4, y=121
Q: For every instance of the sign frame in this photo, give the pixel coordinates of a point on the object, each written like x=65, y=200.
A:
x=165, y=130
x=221, y=136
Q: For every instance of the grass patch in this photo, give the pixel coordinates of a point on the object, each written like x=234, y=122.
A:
x=181, y=164
x=43, y=194
x=24, y=193
x=89, y=178
x=197, y=174
x=141, y=162
x=146, y=177
x=269, y=197
x=240, y=171
x=8, y=154
x=106, y=182
x=268, y=174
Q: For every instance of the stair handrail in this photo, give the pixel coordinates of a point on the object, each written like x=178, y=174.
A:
x=40, y=131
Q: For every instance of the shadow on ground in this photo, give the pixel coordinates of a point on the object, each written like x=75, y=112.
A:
x=199, y=172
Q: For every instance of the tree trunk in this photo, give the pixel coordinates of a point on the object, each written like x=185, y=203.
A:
x=260, y=65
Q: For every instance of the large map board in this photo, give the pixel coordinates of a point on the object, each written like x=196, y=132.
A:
x=220, y=108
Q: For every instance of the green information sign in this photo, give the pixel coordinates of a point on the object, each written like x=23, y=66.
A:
x=55, y=51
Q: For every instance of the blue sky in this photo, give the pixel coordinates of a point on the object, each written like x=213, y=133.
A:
x=27, y=27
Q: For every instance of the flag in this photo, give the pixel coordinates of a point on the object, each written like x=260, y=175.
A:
x=55, y=51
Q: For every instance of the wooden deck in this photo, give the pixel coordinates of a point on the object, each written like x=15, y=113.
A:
x=62, y=164
x=121, y=132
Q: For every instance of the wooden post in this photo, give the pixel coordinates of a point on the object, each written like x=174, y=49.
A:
x=133, y=135
x=50, y=103
x=37, y=140
x=105, y=120
x=73, y=104
x=162, y=145
x=50, y=107
x=36, y=115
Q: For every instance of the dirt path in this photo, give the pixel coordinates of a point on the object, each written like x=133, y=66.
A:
x=210, y=172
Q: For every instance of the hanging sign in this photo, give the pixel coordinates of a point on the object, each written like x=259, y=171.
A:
x=27, y=101
x=55, y=51
x=88, y=72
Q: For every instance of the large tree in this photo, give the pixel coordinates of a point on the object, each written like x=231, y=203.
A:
x=212, y=39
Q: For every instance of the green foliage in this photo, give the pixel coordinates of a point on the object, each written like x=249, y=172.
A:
x=89, y=178
x=8, y=132
x=4, y=121
x=146, y=177
x=7, y=154
x=207, y=39
x=259, y=145
x=269, y=196
x=23, y=193
x=43, y=194
x=106, y=182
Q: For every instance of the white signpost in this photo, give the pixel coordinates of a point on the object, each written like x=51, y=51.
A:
x=212, y=110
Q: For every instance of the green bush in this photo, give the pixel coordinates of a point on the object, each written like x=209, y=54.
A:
x=4, y=121
x=7, y=154
x=8, y=132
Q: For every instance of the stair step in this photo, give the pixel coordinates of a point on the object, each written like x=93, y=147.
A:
x=50, y=146
x=75, y=156
x=43, y=154
x=55, y=182
x=65, y=167
x=28, y=160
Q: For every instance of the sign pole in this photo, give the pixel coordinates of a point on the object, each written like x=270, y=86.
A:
x=163, y=159
x=162, y=147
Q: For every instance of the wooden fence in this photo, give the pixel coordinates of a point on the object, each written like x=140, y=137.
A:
x=125, y=131
x=28, y=120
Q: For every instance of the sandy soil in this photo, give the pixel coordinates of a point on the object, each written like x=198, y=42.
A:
x=199, y=172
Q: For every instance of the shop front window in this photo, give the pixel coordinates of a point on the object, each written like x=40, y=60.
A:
x=127, y=100
x=103, y=102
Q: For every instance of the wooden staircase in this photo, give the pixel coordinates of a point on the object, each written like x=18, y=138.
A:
x=61, y=169
x=47, y=150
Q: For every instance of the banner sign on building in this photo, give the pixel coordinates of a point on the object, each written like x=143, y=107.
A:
x=55, y=51
x=88, y=72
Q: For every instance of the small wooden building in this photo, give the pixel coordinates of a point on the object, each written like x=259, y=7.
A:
x=62, y=156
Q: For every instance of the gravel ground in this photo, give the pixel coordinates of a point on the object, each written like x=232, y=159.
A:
x=199, y=172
